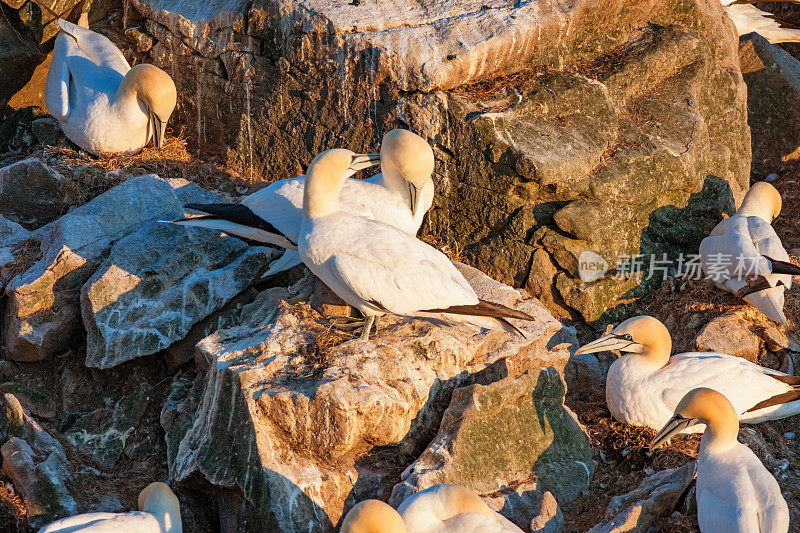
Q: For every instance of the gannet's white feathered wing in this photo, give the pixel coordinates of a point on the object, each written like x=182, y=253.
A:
x=133, y=522
x=736, y=493
x=748, y=18
x=756, y=393
x=747, y=243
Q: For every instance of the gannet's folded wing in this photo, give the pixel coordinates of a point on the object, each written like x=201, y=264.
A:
x=479, y=523
x=715, y=513
x=97, y=48
x=56, y=88
x=765, y=240
x=135, y=521
x=773, y=510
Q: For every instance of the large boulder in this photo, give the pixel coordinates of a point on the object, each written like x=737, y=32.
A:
x=34, y=194
x=18, y=59
x=616, y=127
x=43, y=301
x=305, y=423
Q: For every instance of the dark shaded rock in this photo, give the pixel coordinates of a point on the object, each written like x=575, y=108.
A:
x=34, y=194
x=18, y=57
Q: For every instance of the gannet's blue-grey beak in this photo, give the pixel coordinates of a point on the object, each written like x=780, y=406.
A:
x=362, y=161
x=610, y=343
x=675, y=425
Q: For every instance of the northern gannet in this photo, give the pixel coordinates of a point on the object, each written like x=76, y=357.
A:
x=748, y=18
x=644, y=386
x=744, y=255
x=103, y=105
x=399, y=196
x=438, y=509
x=735, y=493
x=378, y=268
x=159, y=513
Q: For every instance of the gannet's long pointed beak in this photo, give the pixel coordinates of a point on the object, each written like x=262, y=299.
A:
x=159, y=128
x=362, y=161
x=414, y=197
x=609, y=343
x=675, y=425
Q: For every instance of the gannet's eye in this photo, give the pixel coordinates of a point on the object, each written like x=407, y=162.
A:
x=628, y=337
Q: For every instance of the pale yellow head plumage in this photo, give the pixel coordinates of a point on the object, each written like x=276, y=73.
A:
x=324, y=178
x=158, y=499
x=643, y=335
x=762, y=200
x=410, y=154
x=702, y=406
x=156, y=92
x=372, y=516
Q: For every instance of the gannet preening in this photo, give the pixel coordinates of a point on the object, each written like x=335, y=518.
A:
x=399, y=196
x=744, y=255
x=103, y=105
x=749, y=18
x=644, y=386
x=378, y=268
x=159, y=513
x=735, y=493
x=438, y=509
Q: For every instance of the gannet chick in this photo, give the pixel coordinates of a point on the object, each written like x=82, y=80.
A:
x=735, y=493
x=102, y=104
x=378, y=268
x=747, y=18
x=438, y=509
x=744, y=255
x=399, y=196
x=644, y=386
x=159, y=513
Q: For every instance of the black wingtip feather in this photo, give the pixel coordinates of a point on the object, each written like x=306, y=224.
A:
x=238, y=214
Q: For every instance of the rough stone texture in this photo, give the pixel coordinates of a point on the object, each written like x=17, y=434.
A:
x=618, y=127
x=14, y=242
x=730, y=334
x=773, y=101
x=653, y=500
x=33, y=194
x=43, y=302
x=36, y=464
x=18, y=56
x=157, y=283
x=550, y=519
x=528, y=507
x=493, y=435
x=284, y=417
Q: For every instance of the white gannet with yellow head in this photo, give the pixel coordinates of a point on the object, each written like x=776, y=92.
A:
x=380, y=269
x=399, y=196
x=102, y=104
x=645, y=384
x=748, y=18
x=744, y=255
x=159, y=512
x=438, y=509
x=735, y=493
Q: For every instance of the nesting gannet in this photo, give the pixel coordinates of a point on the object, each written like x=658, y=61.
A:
x=744, y=255
x=378, y=268
x=438, y=509
x=735, y=493
x=644, y=386
x=748, y=18
x=400, y=196
x=104, y=105
x=159, y=513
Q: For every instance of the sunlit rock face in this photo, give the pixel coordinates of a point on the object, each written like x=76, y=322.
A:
x=559, y=127
x=305, y=430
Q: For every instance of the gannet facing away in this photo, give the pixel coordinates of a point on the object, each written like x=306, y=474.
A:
x=159, y=513
x=744, y=255
x=749, y=18
x=378, y=268
x=735, y=493
x=102, y=104
x=438, y=509
x=399, y=196
x=644, y=386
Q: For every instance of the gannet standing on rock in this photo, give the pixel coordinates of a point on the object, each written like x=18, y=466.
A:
x=744, y=255
x=378, y=268
x=159, y=513
x=438, y=509
x=399, y=196
x=102, y=104
x=735, y=493
x=749, y=18
x=644, y=386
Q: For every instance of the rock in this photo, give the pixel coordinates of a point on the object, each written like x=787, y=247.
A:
x=34, y=194
x=493, y=435
x=773, y=99
x=18, y=249
x=47, y=131
x=283, y=412
x=654, y=499
x=36, y=464
x=774, y=338
x=37, y=403
x=102, y=434
x=730, y=334
x=159, y=281
x=19, y=58
x=140, y=39
x=43, y=301
x=620, y=128
x=16, y=134
x=550, y=519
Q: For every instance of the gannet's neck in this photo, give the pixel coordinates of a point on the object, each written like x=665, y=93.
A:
x=657, y=351
x=321, y=193
x=762, y=200
x=755, y=209
x=393, y=179
x=722, y=428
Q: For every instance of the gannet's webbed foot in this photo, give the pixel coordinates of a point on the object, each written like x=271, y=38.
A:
x=346, y=323
x=368, y=323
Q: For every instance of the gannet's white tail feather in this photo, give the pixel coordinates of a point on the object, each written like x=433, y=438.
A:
x=769, y=302
x=289, y=259
x=778, y=406
x=97, y=48
x=748, y=18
